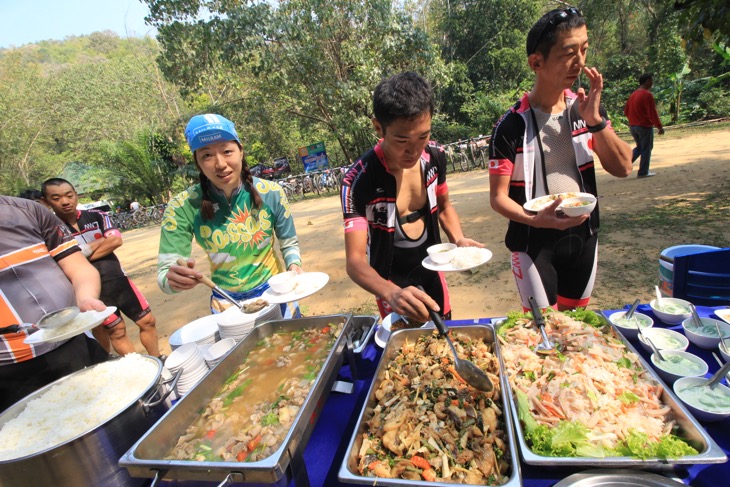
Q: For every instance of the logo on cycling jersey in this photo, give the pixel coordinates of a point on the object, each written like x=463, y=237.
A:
x=244, y=228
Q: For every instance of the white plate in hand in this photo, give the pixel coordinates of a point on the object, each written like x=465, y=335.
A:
x=484, y=254
x=542, y=202
x=308, y=283
x=83, y=322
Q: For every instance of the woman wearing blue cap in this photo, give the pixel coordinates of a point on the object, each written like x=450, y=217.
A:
x=233, y=216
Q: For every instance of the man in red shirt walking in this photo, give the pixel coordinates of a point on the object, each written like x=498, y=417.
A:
x=641, y=111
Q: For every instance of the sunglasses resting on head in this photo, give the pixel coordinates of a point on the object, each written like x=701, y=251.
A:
x=556, y=19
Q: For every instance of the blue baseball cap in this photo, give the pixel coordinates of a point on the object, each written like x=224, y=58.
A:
x=207, y=129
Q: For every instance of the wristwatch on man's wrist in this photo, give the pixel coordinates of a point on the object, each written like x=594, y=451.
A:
x=597, y=128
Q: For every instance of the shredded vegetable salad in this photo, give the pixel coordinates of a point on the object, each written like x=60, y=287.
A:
x=591, y=398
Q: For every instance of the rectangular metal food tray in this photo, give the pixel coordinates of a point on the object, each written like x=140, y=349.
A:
x=147, y=457
x=690, y=430
x=348, y=469
x=363, y=327
x=361, y=331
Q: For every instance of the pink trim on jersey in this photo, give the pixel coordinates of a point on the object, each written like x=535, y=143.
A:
x=113, y=232
x=500, y=167
x=573, y=303
x=140, y=297
x=442, y=189
x=586, y=166
x=356, y=224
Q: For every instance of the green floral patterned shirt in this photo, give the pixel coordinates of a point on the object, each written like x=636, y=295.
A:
x=239, y=240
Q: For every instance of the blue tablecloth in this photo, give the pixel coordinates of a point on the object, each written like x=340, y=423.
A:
x=327, y=446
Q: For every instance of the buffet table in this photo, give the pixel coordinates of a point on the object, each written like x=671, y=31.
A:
x=327, y=446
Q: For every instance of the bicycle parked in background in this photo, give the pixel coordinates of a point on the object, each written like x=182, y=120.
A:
x=144, y=216
x=455, y=153
x=478, y=148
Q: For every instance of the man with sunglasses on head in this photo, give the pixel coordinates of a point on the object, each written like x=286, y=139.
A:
x=544, y=145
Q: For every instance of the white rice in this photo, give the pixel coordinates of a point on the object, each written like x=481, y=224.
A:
x=465, y=257
x=77, y=405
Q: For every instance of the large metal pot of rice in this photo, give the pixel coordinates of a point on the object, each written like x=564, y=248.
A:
x=73, y=431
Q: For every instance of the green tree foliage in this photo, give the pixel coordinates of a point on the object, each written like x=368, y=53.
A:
x=315, y=60
x=59, y=101
x=704, y=20
x=145, y=167
x=294, y=72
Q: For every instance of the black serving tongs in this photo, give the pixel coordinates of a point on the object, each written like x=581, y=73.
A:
x=544, y=348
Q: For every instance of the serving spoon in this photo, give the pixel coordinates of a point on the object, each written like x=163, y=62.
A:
x=658, y=297
x=58, y=318
x=695, y=317
x=723, y=347
x=653, y=347
x=544, y=348
x=467, y=370
x=205, y=280
x=630, y=313
x=717, y=376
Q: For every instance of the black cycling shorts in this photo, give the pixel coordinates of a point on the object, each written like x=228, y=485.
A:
x=122, y=293
x=558, y=268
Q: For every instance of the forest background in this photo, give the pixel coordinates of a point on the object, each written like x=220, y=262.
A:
x=108, y=113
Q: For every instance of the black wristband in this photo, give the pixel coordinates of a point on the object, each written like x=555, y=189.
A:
x=597, y=128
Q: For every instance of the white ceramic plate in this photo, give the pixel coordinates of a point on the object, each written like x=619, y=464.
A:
x=723, y=314
x=308, y=283
x=201, y=330
x=381, y=336
x=449, y=267
x=537, y=204
x=83, y=322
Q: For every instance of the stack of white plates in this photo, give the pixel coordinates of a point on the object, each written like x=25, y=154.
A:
x=233, y=323
x=271, y=313
x=217, y=351
x=188, y=358
x=201, y=331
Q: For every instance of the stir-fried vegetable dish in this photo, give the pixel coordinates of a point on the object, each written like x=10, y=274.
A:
x=592, y=398
x=427, y=424
x=251, y=415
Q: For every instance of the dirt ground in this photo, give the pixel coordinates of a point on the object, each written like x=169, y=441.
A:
x=686, y=166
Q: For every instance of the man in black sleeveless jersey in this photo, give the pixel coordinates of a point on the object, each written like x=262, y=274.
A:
x=99, y=238
x=544, y=145
x=394, y=198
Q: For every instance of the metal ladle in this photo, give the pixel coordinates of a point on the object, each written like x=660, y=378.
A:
x=58, y=318
x=722, y=339
x=544, y=348
x=205, y=280
x=653, y=347
x=717, y=376
x=695, y=317
x=630, y=313
x=467, y=370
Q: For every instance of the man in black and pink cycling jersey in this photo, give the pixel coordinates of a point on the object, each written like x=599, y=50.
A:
x=99, y=238
x=544, y=145
x=393, y=199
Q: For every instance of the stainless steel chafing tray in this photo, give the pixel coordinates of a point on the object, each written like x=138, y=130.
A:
x=348, y=469
x=689, y=429
x=147, y=457
x=360, y=332
x=363, y=329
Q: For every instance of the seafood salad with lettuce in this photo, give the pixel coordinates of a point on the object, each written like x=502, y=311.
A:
x=592, y=398
x=428, y=424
